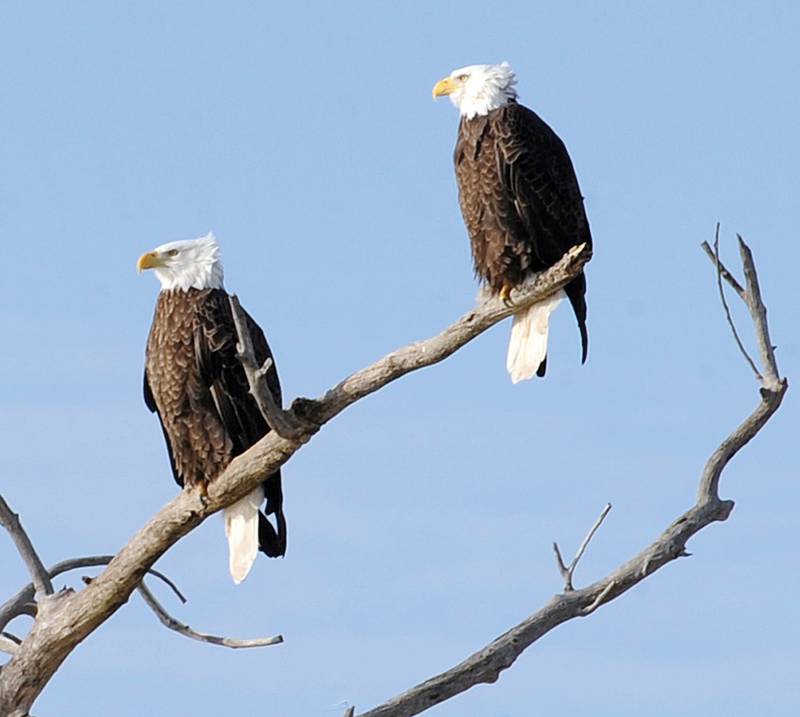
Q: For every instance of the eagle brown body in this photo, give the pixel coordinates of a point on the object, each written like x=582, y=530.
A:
x=520, y=201
x=194, y=382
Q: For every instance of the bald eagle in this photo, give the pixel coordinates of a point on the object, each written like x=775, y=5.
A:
x=520, y=201
x=194, y=382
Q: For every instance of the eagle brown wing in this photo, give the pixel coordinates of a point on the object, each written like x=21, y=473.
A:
x=209, y=415
x=215, y=343
x=150, y=402
x=536, y=173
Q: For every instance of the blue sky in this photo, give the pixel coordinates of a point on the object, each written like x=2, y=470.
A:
x=420, y=521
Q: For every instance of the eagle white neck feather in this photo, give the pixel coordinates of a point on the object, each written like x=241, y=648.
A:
x=195, y=265
x=486, y=88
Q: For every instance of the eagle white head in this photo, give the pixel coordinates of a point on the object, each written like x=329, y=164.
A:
x=187, y=264
x=478, y=89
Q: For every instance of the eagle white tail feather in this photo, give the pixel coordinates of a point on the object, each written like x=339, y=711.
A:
x=528, y=345
x=241, y=528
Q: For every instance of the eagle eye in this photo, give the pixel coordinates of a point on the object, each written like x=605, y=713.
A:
x=462, y=78
x=172, y=252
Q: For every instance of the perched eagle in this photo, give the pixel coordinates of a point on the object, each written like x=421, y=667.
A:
x=194, y=382
x=520, y=201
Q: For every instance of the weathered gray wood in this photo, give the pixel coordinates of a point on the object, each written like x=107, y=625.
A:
x=22, y=603
x=284, y=423
x=486, y=665
x=568, y=571
x=10, y=521
x=70, y=617
x=66, y=619
x=172, y=623
x=744, y=296
x=723, y=271
x=758, y=311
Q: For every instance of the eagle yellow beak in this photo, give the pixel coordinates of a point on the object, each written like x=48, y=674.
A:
x=151, y=260
x=444, y=87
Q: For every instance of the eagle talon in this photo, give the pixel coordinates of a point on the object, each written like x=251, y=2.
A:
x=202, y=492
x=195, y=383
x=521, y=205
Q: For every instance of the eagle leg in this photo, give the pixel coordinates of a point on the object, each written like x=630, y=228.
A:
x=505, y=294
x=202, y=491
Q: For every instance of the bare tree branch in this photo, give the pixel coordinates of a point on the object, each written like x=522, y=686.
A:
x=285, y=423
x=11, y=636
x=567, y=572
x=170, y=622
x=755, y=304
x=772, y=392
x=436, y=349
x=730, y=278
x=57, y=631
x=9, y=643
x=600, y=599
x=486, y=665
x=727, y=308
x=10, y=521
x=22, y=603
x=759, y=313
x=59, y=628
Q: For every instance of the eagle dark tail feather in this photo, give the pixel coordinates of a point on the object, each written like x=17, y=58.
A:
x=272, y=542
x=576, y=293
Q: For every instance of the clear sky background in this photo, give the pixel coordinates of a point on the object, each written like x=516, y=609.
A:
x=420, y=520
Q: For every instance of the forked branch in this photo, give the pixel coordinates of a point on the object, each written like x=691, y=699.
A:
x=486, y=665
x=11, y=522
x=285, y=423
x=744, y=296
x=23, y=604
x=568, y=571
x=51, y=640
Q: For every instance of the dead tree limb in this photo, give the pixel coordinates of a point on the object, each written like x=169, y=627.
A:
x=285, y=423
x=23, y=603
x=60, y=628
x=182, y=629
x=727, y=309
x=568, y=571
x=9, y=643
x=10, y=521
x=724, y=273
x=758, y=311
x=486, y=665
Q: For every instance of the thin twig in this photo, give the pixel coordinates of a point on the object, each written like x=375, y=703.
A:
x=7, y=645
x=588, y=538
x=10, y=521
x=567, y=572
x=170, y=622
x=600, y=599
x=350, y=711
x=730, y=278
x=22, y=603
x=728, y=311
x=562, y=568
x=758, y=312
